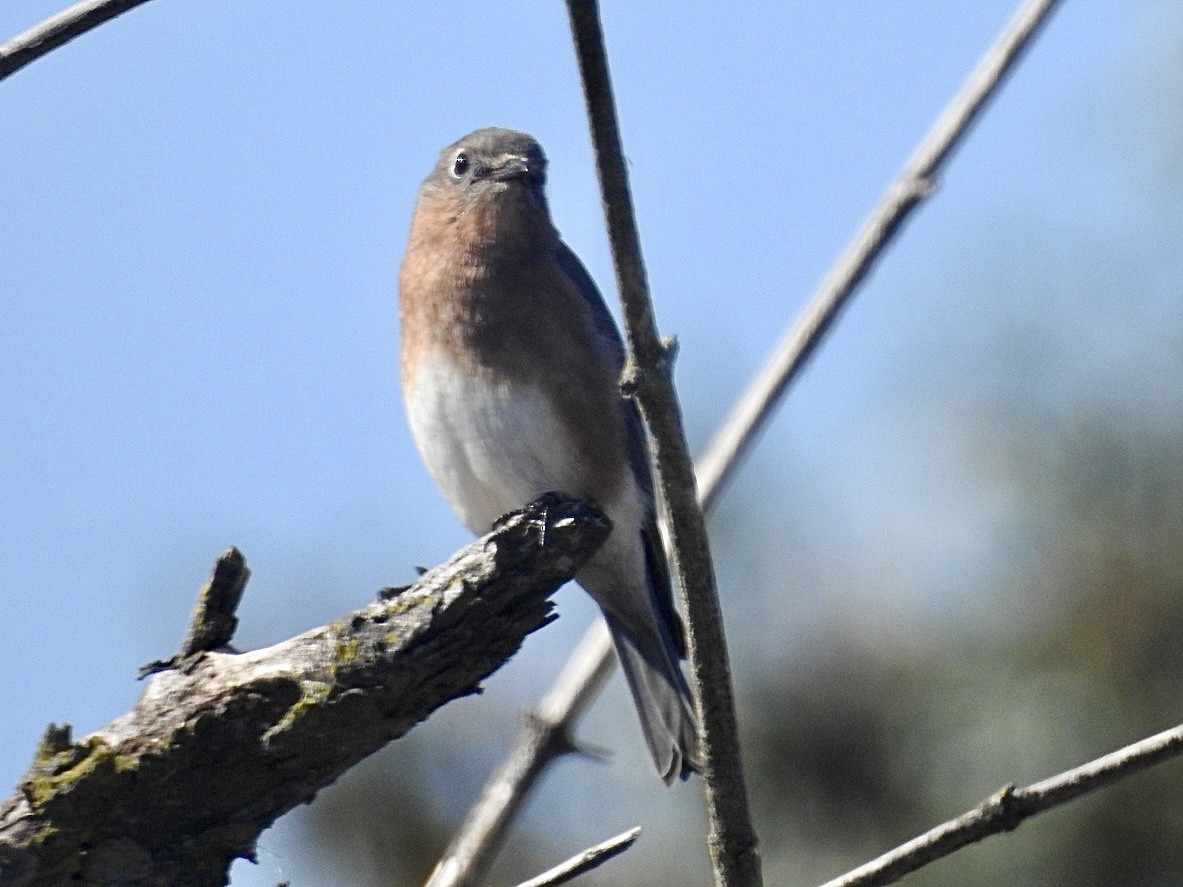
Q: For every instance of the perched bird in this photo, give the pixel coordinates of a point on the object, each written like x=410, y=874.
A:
x=510, y=367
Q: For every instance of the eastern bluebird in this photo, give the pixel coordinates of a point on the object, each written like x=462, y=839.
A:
x=510, y=369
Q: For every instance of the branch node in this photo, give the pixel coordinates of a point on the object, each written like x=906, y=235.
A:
x=917, y=187
x=213, y=622
x=669, y=348
x=55, y=740
x=637, y=378
x=1004, y=805
x=555, y=741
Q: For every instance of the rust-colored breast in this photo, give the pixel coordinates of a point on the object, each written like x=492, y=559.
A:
x=480, y=286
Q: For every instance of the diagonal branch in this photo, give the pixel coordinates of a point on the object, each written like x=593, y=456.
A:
x=57, y=30
x=176, y=789
x=483, y=830
x=1009, y=807
x=915, y=183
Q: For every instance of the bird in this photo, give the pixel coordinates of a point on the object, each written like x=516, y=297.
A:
x=510, y=364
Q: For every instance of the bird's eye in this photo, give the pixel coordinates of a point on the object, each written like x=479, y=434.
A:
x=460, y=165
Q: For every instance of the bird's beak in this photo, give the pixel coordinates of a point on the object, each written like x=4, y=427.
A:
x=511, y=167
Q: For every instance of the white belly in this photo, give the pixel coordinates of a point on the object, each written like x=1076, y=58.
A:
x=490, y=449
x=493, y=450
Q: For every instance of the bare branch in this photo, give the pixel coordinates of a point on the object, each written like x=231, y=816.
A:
x=1008, y=808
x=914, y=183
x=59, y=29
x=176, y=789
x=738, y=432
x=592, y=857
x=648, y=377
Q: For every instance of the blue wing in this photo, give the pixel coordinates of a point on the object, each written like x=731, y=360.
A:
x=638, y=454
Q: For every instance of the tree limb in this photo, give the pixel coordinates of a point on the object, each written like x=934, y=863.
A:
x=1007, y=808
x=176, y=789
x=59, y=29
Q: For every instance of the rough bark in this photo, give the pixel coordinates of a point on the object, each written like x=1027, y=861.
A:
x=220, y=746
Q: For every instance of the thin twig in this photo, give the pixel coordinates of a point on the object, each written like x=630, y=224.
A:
x=592, y=857
x=59, y=29
x=915, y=182
x=1006, y=809
x=648, y=376
x=747, y=418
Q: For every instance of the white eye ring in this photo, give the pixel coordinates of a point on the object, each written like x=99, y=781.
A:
x=460, y=165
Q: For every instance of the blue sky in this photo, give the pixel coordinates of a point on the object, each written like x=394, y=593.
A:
x=205, y=206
